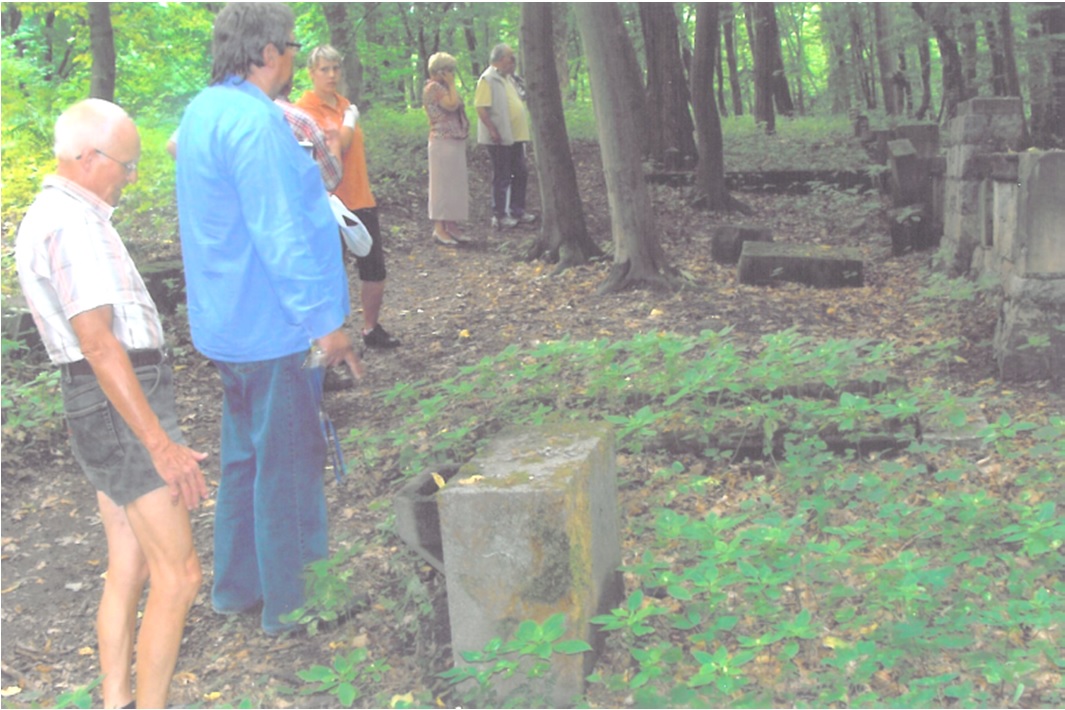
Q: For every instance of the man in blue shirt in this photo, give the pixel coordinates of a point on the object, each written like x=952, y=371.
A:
x=265, y=282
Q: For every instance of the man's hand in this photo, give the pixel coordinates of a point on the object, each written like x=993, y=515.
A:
x=336, y=348
x=179, y=466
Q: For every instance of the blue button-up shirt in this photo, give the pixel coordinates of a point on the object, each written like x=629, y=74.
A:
x=263, y=266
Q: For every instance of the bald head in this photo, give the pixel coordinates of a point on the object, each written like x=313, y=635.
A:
x=97, y=146
x=89, y=124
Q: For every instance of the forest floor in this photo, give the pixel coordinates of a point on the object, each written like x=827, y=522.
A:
x=451, y=307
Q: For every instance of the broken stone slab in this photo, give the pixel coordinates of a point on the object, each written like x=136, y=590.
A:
x=909, y=176
x=763, y=263
x=530, y=529
x=417, y=520
x=728, y=239
x=911, y=229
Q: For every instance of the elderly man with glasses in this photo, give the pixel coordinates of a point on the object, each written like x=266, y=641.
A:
x=100, y=325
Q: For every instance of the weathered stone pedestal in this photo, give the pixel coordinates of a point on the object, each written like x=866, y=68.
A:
x=764, y=263
x=530, y=529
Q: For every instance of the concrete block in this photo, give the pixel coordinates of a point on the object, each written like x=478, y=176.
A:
x=728, y=241
x=990, y=106
x=1029, y=343
x=530, y=529
x=923, y=136
x=1041, y=215
x=909, y=175
x=819, y=266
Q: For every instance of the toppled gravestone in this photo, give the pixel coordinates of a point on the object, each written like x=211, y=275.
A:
x=728, y=239
x=820, y=266
x=529, y=529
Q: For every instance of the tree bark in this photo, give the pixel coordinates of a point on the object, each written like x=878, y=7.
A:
x=670, y=141
x=102, y=41
x=763, y=70
x=884, y=54
x=998, y=59
x=638, y=256
x=859, y=56
x=936, y=15
x=342, y=37
x=730, y=58
x=924, y=53
x=563, y=234
x=778, y=78
x=710, y=190
x=1005, y=31
x=1046, y=74
x=969, y=59
x=833, y=37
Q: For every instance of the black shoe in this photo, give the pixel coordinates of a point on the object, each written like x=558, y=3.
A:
x=379, y=338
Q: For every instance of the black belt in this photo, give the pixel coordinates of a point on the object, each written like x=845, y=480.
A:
x=139, y=358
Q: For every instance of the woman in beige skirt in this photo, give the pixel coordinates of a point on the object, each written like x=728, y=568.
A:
x=449, y=196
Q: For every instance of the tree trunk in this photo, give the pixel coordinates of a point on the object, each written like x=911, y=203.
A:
x=858, y=56
x=1046, y=74
x=102, y=41
x=342, y=37
x=638, y=256
x=884, y=54
x=936, y=15
x=710, y=190
x=560, y=37
x=730, y=57
x=763, y=69
x=834, y=39
x=924, y=53
x=998, y=59
x=563, y=234
x=671, y=142
x=969, y=59
x=778, y=78
x=719, y=69
x=1005, y=31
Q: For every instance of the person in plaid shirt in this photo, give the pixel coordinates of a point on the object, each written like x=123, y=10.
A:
x=101, y=327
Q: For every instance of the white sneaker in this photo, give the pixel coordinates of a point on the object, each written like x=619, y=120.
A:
x=498, y=222
x=527, y=218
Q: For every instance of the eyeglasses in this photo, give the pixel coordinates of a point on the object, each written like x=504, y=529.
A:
x=296, y=45
x=131, y=166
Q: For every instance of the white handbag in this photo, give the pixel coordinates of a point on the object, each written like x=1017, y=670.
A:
x=356, y=237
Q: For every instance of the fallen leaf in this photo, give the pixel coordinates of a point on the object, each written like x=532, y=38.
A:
x=86, y=651
x=439, y=480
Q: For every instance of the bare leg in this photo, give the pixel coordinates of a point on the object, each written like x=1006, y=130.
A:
x=116, y=619
x=372, y=296
x=165, y=536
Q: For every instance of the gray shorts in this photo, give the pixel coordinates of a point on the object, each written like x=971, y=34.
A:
x=115, y=462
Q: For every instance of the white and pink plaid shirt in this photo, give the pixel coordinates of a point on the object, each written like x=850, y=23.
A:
x=70, y=260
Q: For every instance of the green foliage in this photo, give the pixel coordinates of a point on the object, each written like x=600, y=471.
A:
x=328, y=594
x=529, y=651
x=346, y=678
x=79, y=697
x=31, y=402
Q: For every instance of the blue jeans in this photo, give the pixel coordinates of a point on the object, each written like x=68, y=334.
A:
x=270, y=518
x=508, y=171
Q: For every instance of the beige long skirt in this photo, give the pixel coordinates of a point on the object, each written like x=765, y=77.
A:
x=449, y=192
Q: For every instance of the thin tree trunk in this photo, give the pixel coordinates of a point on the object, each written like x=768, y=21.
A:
x=763, y=70
x=884, y=54
x=638, y=256
x=102, y=41
x=342, y=37
x=1005, y=30
x=924, y=53
x=710, y=187
x=563, y=234
x=730, y=57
